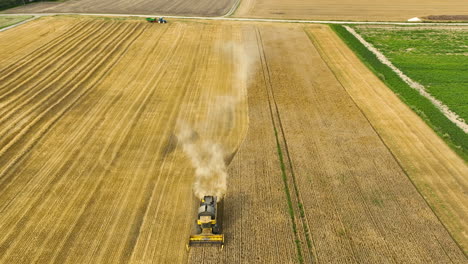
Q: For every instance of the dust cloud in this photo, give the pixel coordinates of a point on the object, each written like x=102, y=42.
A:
x=204, y=141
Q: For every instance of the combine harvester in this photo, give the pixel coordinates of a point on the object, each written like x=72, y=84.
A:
x=208, y=224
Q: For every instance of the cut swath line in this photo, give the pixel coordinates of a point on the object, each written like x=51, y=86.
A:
x=452, y=116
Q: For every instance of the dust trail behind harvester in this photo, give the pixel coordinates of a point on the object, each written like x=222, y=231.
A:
x=204, y=141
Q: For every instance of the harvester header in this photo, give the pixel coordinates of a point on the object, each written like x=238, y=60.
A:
x=208, y=223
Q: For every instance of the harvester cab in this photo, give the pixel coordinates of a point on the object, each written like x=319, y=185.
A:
x=208, y=224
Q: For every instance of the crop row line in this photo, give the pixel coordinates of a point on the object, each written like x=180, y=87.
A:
x=49, y=80
x=32, y=58
x=117, y=47
x=12, y=136
x=294, y=201
x=34, y=66
x=100, y=62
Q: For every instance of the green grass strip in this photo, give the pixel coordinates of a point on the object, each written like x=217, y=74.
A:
x=448, y=131
x=288, y=197
x=6, y=21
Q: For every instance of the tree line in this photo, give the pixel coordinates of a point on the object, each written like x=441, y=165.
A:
x=4, y=4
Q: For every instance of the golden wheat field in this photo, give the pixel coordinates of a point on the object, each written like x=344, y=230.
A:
x=99, y=118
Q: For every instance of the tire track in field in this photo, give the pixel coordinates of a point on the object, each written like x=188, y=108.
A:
x=152, y=87
x=303, y=234
x=34, y=57
x=92, y=127
x=128, y=38
x=15, y=137
x=49, y=80
x=335, y=204
x=164, y=179
x=65, y=148
x=156, y=51
x=195, y=109
x=29, y=75
x=54, y=118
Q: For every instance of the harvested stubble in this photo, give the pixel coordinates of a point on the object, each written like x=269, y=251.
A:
x=89, y=172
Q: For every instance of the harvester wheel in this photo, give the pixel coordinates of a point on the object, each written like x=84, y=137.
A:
x=216, y=229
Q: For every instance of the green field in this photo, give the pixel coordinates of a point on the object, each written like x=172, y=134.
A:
x=6, y=21
x=435, y=57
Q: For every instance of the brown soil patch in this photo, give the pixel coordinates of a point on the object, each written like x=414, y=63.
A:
x=448, y=18
x=362, y=10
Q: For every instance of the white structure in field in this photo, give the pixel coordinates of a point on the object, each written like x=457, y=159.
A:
x=414, y=19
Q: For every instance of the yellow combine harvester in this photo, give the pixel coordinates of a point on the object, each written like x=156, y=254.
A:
x=208, y=224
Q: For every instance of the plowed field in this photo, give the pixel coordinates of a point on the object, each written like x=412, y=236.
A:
x=161, y=7
x=361, y=10
x=92, y=170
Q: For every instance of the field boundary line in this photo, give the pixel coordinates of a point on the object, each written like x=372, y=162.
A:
x=233, y=8
x=452, y=116
x=454, y=137
x=279, y=153
x=323, y=55
x=298, y=204
x=246, y=19
x=20, y=23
